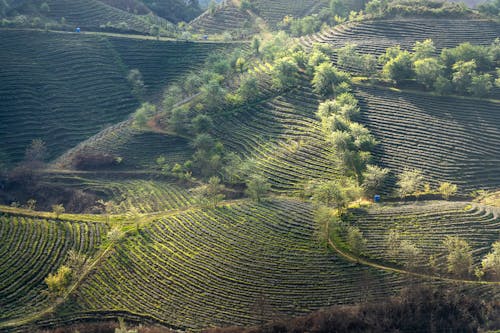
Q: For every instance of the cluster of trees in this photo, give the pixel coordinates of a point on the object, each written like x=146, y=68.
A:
x=58, y=283
x=455, y=259
x=465, y=69
x=392, y=8
x=411, y=182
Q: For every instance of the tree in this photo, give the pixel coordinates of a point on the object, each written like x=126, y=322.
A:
x=410, y=253
x=257, y=187
x=347, y=56
x=256, y=45
x=213, y=94
x=427, y=71
x=142, y=115
x=284, y=73
x=481, y=85
x=424, y=49
x=447, y=189
x=356, y=241
x=491, y=262
x=374, y=179
x=36, y=151
x=324, y=218
x=338, y=193
x=392, y=243
x=58, y=210
x=211, y=193
x=249, y=88
x=202, y=123
x=463, y=72
x=410, y=182
x=135, y=79
x=59, y=282
x=458, y=256
x=399, y=68
x=326, y=77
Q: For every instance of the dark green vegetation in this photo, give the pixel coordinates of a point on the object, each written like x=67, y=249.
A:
x=30, y=250
x=229, y=181
x=444, y=137
x=68, y=87
x=218, y=263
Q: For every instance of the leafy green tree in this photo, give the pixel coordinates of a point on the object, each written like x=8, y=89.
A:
x=424, y=50
x=399, y=68
x=284, y=73
x=481, y=85
x=392, y=243
x=143, y=114
x=257, y=187
x=202, y=123
x=211, y=193
x=58, y=210
x=368, y=65
x=447, y=189
x=135, y=79
x=356, y=241
x=374, y=179
x=443, y=86
x=338, y=193
x=458, y=256
x=347, y=56
x=411, y=254
x=58, y=283
x=410, y=182
x=338, y=8
x=463, y=72
x=325, y=219
x=427, y=70
x=249, y=88
x=491, y=262
x=256, y=45
x=326, y=77
x=191, y=84
x=316, y=57
x=213, y=94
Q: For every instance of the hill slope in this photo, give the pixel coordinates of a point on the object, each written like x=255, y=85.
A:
x=449, y=139
x=64, y=88
x=31, y=249
x=211, y=267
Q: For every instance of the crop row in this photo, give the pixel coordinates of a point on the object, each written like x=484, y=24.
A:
x=92, y=14
x=60, y=88
x=284, y=138
x=274, y=11
x=160, y=62
x=223, y=266
x=449, y=139
x=426, y=224
x=30, y=249
x=375, y=36
x=227, y=17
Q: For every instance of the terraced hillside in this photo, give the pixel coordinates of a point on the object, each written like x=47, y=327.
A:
x=227, y=17
x=375, y=36
x=160, y=62
x=30, y=249
x=222, y=266
x=131, y=196
x=93, y=14
x=284, y=138
x=426, y=224
x=449, y=139
x=58, y=87
x=274, y=11
x=64, y=88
